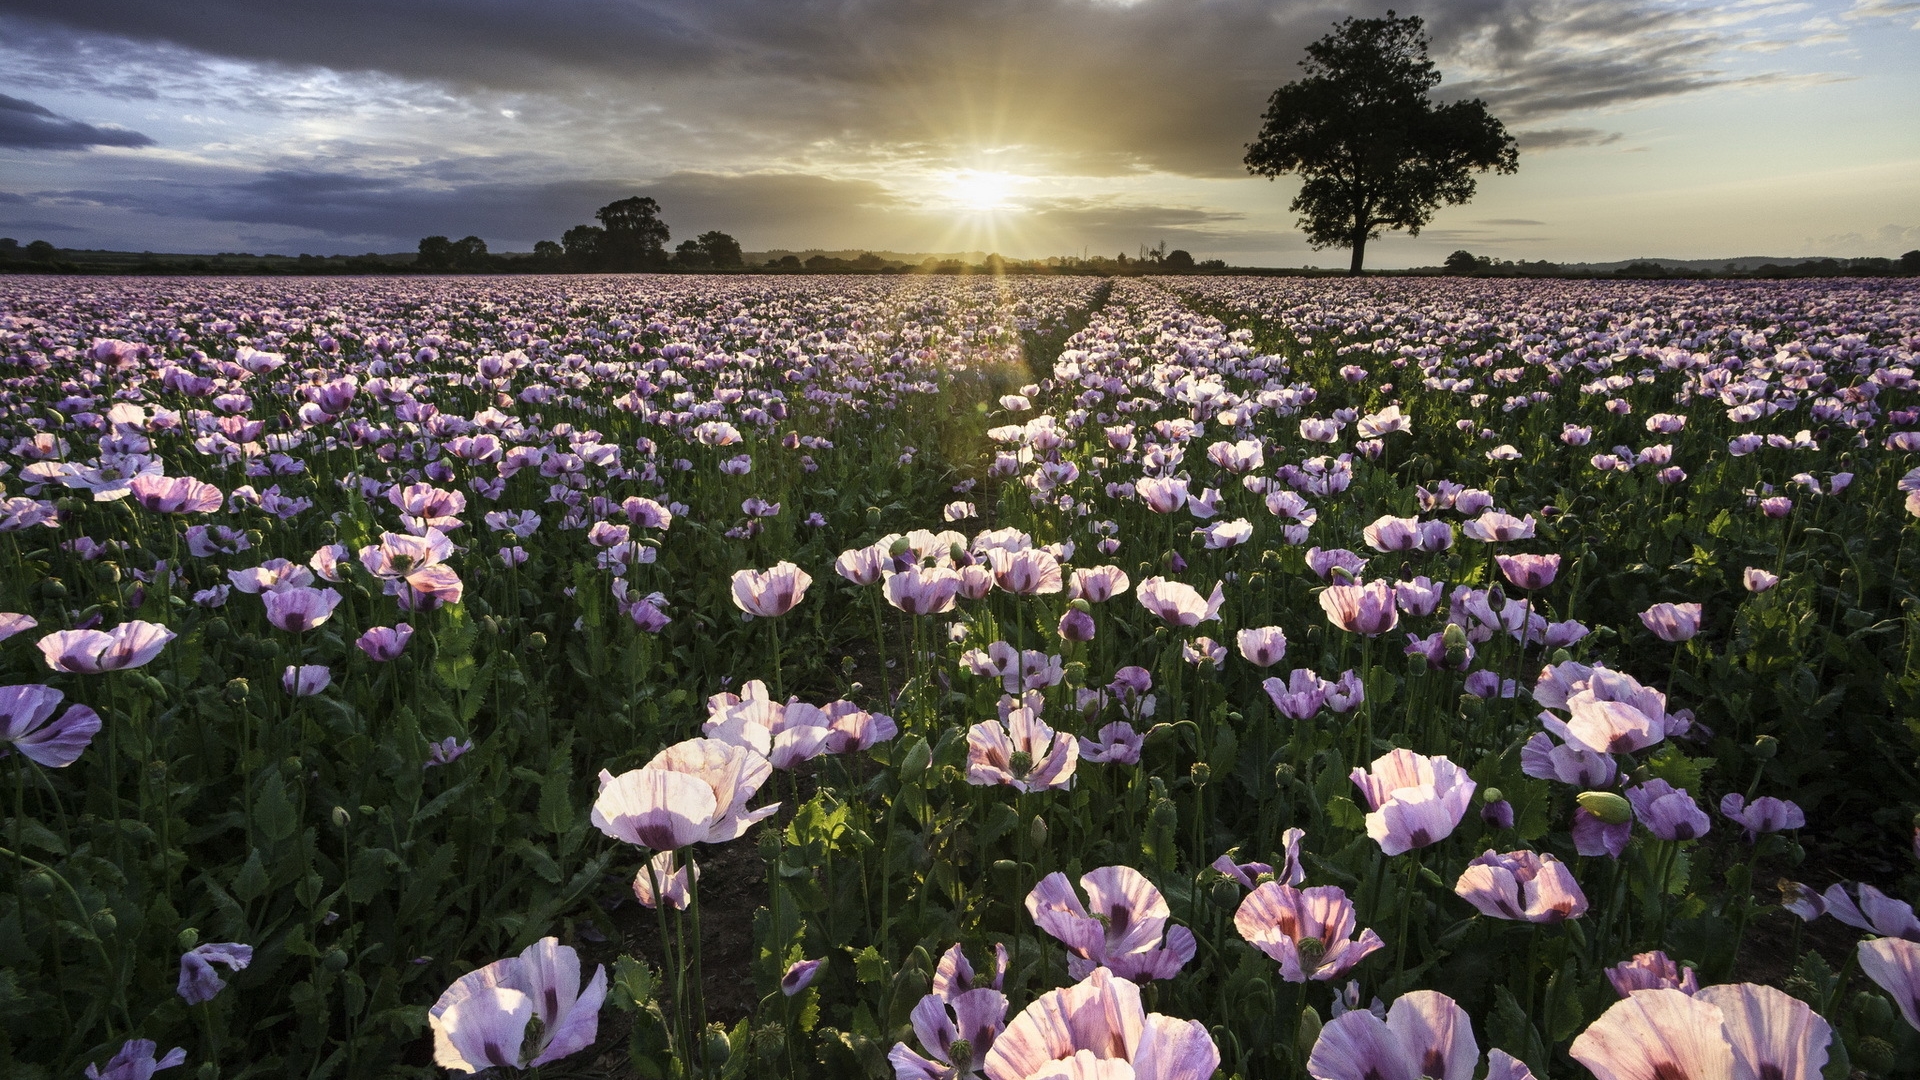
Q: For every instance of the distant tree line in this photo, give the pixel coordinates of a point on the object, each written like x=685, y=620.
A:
x=1465, y=263
x=630, y=238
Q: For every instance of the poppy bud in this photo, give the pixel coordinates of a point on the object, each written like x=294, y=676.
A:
x=716, y=1049
x=188, y=939
x=1764, y=747
x=1006, y=875
x=1561, y=656
x=958, y=552
x=873, y=517
x=1307, y=1034
x=104, y=923
x=69, y=504
x=536, y=641
x=1605, y=805
x=898, y=548
x=1201, y=773
x=1226, y=894
x=341, y=819
x=1417, y=664
x=53, y=589
x=1340, y=575
x=236, y=691
x=1496, y=597
x=39, y=885
x=335, y=960
x=1037, y=832
x=1498, y=813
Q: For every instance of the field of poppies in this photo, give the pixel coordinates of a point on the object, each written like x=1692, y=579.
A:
x=930, y=678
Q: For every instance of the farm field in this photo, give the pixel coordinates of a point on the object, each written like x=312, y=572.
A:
x=1030, y=677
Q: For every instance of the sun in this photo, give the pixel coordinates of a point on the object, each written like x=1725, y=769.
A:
x=981, y=192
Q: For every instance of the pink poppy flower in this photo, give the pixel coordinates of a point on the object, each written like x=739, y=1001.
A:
x=1414, y=800
x=482, y=1020
x=692, y=792
x=1127, y=929
x=1494, y=527
x=1097, y=585
x=1652, y=971
x=90, y=652
x=1033, y=572
x=1309, y=932
x=300, y=609
x=957, y=1029
x=1098, y=1027
x=1178, y=603
x=305, y=680
x=174, y=494
x=385, y=643
x=1529, y=571
x=1736, y=1030
x=1672, y=622
x=1024, y=753
x=770, y=593
x=1262, y=646
x=1368, y=610
x=1424, y=1035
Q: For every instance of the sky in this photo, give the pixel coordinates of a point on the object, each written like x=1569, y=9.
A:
x=1662, y=128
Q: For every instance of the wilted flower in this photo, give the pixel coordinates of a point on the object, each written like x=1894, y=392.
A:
x=674, y=879
x=482, y=1020
x=1124, y=930
x=446, y=751
x=25, y=712
x=198, y=981
x=1651, y=971
x=1309, y=932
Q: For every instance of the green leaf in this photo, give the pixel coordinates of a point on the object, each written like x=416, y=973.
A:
x=1344, y=814
x=251, y=882
x=273, y=814
x=871, y=967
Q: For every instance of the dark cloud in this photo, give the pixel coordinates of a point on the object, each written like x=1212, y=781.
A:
x=1081, y=86
x=1560, y=138
x=29, y=126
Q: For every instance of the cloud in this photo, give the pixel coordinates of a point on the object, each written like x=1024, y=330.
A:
x=1561, y=138
x=1061, y=85
x=29, y=126
x=1510, y=221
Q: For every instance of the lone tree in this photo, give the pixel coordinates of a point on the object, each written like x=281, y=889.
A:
x=635, y=237
x=1374, y=150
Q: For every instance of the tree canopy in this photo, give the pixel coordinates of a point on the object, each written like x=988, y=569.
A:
x=1374, y=150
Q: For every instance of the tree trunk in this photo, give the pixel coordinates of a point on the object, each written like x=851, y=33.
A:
x=1359, y=252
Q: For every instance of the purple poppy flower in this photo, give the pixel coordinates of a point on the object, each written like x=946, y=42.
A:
x=1414, y=800
x=1289, y=873
x=1076, y=625
x=1611, y=713
x=1569, y=763
x=1323, y=563
x=920, y=590
x=1894, y=966
x=135, y=1061
x=692, y=792
x=675, y=880
x=1309, y=932
x=198, y=981
x=1652, y=971
x=1419, y=596
x=1522, y=887
x=1494, y=527
x=1098, y=584
x=90, y=652
x=1368, y=610
x=1100, y=1019
x=27, y=725
x=1424, y=1035
x=1391, y=533
x=953, y=976
x=1346, y=693
x=1668, y=812
x=300, y=609
x=1300, y=696
x=1529, y=571
x=799, y=976
x=1262, y=646
x=1765, y=814
x=174, y=494
x=1023, y=753
x=481, y=1021
x=1672, y=622
x=446, y=751
x=1594, y=836
x=385, y=643
x=1124, y=931
x=305, y=680
x=12, y=623
x=1033, y=572
x=1876, y=913
x=1116, y=743
x=962, y=1025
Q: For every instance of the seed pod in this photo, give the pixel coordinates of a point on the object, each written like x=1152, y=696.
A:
x=1605, y=805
